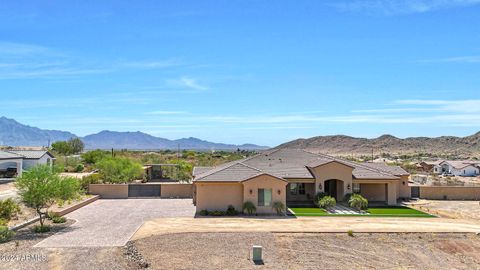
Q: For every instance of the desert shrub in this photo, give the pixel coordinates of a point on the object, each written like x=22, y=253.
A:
x=93, y=178
x=249, y=207
x=79, y=168
x=57, y=219
x=41, y=228
x=3, y=222
x=279, y=207
x=203, y=213
x=92, y=157
x=350, y=233
x=327, y=202
x=9, y=208
x=319, y=196
x=231, y=211
x=357, y=201
x=119, y=170
x=217, y=213
x=5, y=234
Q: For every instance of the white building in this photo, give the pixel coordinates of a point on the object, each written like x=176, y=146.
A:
x=14, y=162
x=457, y=167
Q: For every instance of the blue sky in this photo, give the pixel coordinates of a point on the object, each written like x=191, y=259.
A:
x=243, y=71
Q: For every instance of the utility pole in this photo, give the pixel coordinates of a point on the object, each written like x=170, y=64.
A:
x=372, y=154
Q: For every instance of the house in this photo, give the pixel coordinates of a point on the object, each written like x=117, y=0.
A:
x=427, y=166
x=293, y=177
x=457, y=167
x=14, y=161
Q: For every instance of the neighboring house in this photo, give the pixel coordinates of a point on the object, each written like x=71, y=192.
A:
x=457, y=167
x=14, y=162
x=294, y=177
x=427, y=166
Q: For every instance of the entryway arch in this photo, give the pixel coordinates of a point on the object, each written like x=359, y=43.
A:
x=334, y=188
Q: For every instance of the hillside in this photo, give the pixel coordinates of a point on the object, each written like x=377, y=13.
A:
x=345, y=145
x=13, y=133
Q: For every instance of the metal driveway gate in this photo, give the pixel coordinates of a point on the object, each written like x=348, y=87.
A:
x=144, y=190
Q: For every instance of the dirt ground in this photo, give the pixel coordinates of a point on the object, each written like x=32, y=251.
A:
x=452, y=209
x=312, y=251
x=5, y=187
x=20, y=254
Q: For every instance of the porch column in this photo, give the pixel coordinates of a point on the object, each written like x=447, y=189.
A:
x=392, y=194
x=19, y=168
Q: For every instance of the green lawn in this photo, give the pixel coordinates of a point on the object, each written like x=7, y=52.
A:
x=383, y=211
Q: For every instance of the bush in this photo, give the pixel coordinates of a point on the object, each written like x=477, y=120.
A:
x=318, y=197
x=203, y=213
x=92, y=157
x=279, y=207
x=3, y=222
x=57, y=219
x=93, y=178
x=327, y=202
x=217, y=213
x=41, y=228
x=350, y=233
x=8, y=209
x=358, y=202
x=5, y=234
x=119, y=170
x=79, y=168
x=231, y=211
x=250, y=208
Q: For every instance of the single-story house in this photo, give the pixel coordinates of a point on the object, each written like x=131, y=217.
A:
x=14, y=161
x=457, y=167
x=293, y=177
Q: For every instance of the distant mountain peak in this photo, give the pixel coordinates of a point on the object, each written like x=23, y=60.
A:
x=13, y=133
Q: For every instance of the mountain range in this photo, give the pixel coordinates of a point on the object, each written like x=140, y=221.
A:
x=13, y=133
x=346, y=145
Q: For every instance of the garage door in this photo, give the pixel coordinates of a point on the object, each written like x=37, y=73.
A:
x=143, y=190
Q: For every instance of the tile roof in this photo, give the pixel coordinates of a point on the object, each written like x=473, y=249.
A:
x=460, y=164
x=289, y=163
x=9, y=155
x=199, y=170
x=395, y=170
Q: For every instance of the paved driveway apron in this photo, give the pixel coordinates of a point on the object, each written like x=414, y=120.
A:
x=113, y=222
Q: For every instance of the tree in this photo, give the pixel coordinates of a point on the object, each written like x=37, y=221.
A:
x=76, y=145
x=72, y=146
x=119, y=170
x=41, y=186
x=61, y=147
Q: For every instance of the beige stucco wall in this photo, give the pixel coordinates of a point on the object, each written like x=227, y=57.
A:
x=267, y=182
x=330, y=171
x=379, y=190
x=373, y=192
x=109, y=191
x=176, y=191
x=218, y=196
x=403, y=189
x=452, y=193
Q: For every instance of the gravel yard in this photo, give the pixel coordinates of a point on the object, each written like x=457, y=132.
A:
x=20, y=254
x=452, y=209
x=312, y=250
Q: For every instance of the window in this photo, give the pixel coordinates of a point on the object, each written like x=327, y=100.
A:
x=293, y=189
x=264, y=197
x=301, y=189
x=356, y=188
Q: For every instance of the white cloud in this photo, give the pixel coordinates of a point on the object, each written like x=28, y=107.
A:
x=472, y=59
x=186, y=82
x=393, y=7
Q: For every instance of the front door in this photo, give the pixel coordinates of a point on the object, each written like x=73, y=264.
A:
x=331, y=188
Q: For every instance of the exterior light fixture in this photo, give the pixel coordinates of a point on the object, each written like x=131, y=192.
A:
x=320, y=186
x=348, y=186
x=279, y=192
x=251, y=192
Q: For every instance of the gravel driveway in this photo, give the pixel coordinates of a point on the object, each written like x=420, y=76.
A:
x=113, y=222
